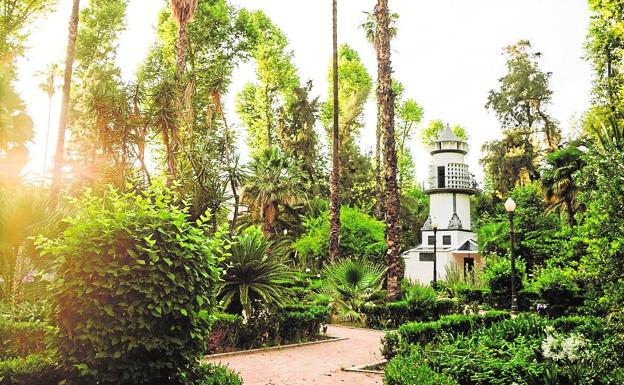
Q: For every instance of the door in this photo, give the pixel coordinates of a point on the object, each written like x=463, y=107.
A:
x=469, y=269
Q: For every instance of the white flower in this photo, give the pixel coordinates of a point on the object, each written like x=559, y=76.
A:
x=307, y=270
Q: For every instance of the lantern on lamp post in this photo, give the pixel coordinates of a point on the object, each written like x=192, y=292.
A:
x=510, y=206
x=434, y=226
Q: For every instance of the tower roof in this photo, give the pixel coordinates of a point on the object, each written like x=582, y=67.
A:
x=448, y=135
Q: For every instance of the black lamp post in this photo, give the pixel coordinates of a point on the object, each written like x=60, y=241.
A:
x=435, y=255
x=510, y=206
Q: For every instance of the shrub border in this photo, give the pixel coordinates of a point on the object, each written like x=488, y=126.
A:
x=269, y=348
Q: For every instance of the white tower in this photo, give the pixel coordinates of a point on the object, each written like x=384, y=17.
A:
x=449, y=188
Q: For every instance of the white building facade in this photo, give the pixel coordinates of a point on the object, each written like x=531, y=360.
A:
x=449, y=187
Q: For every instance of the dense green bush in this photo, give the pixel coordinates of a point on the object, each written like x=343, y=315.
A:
x=33, y=369
x=361, y=236
x=134, y=289
x=19, y=339
x=423, y=333
x=525, y=350
x=410, y=370
x=497, y=275
x=213, y=374
x=291, y=324
x=558, y=289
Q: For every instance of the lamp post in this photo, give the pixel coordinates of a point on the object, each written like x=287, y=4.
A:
x=434, y=225
x=510, y=206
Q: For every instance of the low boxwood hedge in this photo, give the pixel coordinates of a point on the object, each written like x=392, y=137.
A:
x=19, y=339
x=422, y=333
x=291, y=324
x=393, y=314
x=33, y=369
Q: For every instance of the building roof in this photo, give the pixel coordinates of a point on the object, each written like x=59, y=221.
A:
x=448, y=135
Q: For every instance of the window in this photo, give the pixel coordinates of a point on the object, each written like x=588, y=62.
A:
x=446, y=240
x=441, y=181
x=426, y=257
x=431, y=240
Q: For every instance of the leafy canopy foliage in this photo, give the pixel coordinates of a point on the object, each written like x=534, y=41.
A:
x=361, y=236
x=430, y=133
x=605, y=49
x=129, y=265
x=275, y=179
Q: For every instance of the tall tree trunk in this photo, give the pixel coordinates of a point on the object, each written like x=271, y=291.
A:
x=181, y=51
x=55, y=189
x=379, y=201
x=269, y=212
x=47, y=141
x=334, y=190
x=570, y=212
x=385, y=98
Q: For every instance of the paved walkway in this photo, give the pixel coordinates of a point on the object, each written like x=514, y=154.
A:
x=318, y=364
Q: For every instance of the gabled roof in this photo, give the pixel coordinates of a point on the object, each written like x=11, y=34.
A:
x=468, y=245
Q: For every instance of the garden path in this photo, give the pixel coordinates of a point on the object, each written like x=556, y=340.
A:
x=318, y=364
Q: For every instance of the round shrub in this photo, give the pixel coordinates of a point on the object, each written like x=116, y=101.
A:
x=213, y=374
x=133, y=289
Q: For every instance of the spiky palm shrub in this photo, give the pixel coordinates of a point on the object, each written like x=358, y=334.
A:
x=252, y=275
x=352, y=284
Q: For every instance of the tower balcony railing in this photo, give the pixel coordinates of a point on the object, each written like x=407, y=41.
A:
x=454, y=180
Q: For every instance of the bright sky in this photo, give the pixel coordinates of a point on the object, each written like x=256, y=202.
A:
x=447, y=53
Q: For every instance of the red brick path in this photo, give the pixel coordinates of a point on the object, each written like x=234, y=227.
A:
x=318, y=364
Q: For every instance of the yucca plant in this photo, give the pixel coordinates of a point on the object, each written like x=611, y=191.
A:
x=252, y=273
x=352, y=284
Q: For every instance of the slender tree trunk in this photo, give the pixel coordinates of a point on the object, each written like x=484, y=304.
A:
x=385, y=98
x=229, y=159
x=47, y=141
x=55, y=189
x=334, y=191
x=379, y=201
x=570, y=211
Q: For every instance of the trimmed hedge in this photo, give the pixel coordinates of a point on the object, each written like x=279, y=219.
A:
x=292, y=324
x=410, y=370
x=423, y=333
x=19, y=339
x=214, y=374
x=34, y=369
x=391, y=315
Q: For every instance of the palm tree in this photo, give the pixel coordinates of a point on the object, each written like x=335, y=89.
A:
x=274, y=179
x=558, y=179
x=252, y=275
x=24, y=213
x=385, y=99
x=369, y=27
x=334, y=190
x=183, y=12
x=351, y=284
x=67, y=79
x=48, y=86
